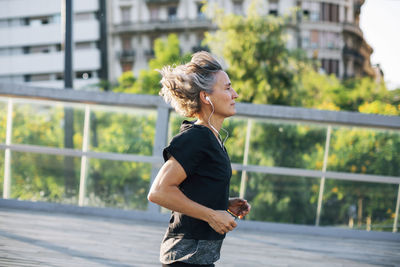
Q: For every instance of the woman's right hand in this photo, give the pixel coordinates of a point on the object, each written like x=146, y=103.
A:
x=222, y=222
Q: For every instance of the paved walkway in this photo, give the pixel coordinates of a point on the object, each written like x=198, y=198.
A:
x=32, y=238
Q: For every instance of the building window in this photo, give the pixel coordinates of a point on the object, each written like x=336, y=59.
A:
x=36, y=49
x=126, y=66
x=200, y=13
x=306, y=15
x=273, y=7
x=83, y=75
x=314, y=39
x=26, y=49
x=331, y=40
x=59, y=76
x=320, y=39
x=305, y=7
x=200, y=46
x=314, y=11
x=4, y=52
x=83, y=16
x=4, y=23
x=37, y=21
x=83, y=45
x=39, y=77
x=172, y=13
x=329, y=12
x=238, y=7
x=152, y=39
x=126, y=14
x=330, y=66
x=305, y=39
x=39, y=49
x=126, y=43
x=334, y=13
x=310, y=11
x=154, y=13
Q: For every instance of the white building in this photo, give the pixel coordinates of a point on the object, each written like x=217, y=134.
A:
x=327, y=29
x=115, y=36
x=137, y=23
x=31, y=37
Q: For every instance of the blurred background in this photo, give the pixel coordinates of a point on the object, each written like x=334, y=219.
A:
x=297, y=53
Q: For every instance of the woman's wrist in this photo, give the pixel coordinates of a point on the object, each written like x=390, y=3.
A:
x=208, y=215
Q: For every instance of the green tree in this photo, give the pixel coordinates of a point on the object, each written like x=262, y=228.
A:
x=261, y=67
x=328, y=92
x=166, y=52
x=320, y=90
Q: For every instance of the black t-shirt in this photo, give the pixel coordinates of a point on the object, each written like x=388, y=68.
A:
x=208, y=169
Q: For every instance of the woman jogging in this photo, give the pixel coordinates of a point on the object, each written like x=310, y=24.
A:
x=194, y=181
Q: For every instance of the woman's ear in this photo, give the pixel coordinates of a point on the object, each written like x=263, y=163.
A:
x=204, y=98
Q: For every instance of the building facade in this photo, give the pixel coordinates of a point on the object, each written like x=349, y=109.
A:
x=328, y=30
x=137, y=23
x=115, y=36
x=31, y=43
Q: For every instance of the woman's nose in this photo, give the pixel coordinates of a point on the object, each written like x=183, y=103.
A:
x=234, y=95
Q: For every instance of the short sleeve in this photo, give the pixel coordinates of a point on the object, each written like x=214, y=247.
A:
x=188, y=149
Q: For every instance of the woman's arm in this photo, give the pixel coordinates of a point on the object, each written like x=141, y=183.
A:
x=165, y=192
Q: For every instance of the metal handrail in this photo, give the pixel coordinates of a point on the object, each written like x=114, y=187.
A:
x=275, y=112
x=270, y=112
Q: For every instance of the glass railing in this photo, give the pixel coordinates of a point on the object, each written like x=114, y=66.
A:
x=293, y=165
x=43, y=177
x=41, y=123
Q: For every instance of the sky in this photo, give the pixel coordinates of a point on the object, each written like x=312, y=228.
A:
x=380, y=23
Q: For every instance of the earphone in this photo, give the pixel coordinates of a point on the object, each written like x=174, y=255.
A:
x=215, y=130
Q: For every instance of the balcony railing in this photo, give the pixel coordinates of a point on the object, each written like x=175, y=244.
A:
x=200, y=48
x=287, y=161
x=351, y=52
x=161, y=1
x=353, y=28
x=164, y=25
x=149, y=53
x=126, y=55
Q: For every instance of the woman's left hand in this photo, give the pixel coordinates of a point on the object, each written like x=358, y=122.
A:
x=239, y=207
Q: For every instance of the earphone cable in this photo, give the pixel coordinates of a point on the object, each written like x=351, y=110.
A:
x=222, y=143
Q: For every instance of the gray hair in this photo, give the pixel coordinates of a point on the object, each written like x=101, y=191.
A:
x=181, y=85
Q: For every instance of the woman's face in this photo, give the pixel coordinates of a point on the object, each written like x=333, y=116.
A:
x=223, y=96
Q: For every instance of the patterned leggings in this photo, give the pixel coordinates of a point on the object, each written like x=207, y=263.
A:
x=183, y=264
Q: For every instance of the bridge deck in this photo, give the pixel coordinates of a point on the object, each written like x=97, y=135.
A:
x=34, y=238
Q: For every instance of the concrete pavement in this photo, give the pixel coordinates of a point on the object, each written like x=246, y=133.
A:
x=35, y=238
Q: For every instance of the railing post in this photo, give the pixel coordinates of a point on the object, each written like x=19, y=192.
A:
x=396, y=216
x=7, y=153
x=322, y=183
x=160, y=141
x=243, y=180
x=84, y=159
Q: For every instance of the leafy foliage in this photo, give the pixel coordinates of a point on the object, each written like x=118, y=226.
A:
x=167, y=52
x=264, y=70
x=261, y=67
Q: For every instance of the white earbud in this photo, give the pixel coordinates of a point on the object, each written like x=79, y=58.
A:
x=212, y=127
